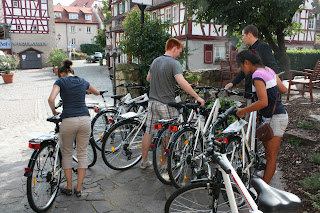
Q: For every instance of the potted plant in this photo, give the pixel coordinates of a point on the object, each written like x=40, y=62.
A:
x=193, y=78
x=56, y=57
x=8, y=63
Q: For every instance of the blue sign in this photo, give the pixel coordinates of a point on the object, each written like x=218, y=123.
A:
x=5, y=44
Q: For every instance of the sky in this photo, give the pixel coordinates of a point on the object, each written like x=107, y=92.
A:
x=63, y=2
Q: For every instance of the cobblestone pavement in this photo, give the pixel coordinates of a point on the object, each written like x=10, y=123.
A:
x=24, y=109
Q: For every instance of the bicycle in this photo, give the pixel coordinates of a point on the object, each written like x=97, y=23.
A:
x=44, y=170
x=122, y=142
x=108, y=115
x=218, y=194
x=190, y=141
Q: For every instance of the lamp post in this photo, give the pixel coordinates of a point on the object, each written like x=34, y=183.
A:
x=114, y=55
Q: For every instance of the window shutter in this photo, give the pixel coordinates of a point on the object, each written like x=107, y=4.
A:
x=208, y=53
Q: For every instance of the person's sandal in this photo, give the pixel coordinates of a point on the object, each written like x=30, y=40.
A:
x=66, y=191
x=77, y=193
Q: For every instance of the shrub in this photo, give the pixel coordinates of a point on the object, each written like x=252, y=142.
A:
x=315, y=157
x=56, y=57
x=9, y=62
x=303, y=59
x=312, y=182
x=89, y=49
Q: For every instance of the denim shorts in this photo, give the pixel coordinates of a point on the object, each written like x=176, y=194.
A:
x=278, y=123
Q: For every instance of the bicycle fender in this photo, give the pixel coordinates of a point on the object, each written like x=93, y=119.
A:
x=35, y=154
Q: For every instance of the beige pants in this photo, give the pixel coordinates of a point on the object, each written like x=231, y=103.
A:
x=75, y=129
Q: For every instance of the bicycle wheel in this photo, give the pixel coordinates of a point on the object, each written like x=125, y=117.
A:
x=100, y=124
x=161, y=141
x=200, y=197
x=43, y=183
x=122, y=145
x=181, y=165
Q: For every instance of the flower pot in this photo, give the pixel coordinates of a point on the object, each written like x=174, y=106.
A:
x=7, y=78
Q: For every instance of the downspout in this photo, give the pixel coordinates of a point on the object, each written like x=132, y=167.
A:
x=186, y=33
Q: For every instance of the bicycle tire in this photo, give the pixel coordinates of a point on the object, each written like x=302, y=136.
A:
x=159, y=159
x=92, y=153
x=100, y=124
x=180, y=164
x=198, y=197
x=115, y=144
x=42, y=185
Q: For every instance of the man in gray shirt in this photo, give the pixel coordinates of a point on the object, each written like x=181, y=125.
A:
x=163, y=75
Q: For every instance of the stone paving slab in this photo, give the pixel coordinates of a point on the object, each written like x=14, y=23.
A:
x=23, y=110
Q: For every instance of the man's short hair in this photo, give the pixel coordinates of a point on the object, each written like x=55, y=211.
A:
x=173, y=42
x=251, y=29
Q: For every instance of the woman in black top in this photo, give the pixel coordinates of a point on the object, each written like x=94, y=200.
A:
x=75, y=123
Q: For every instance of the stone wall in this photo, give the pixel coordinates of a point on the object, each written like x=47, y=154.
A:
x=126, y=73
x=209, y=77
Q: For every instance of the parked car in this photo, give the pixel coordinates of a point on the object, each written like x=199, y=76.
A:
x=95, y=57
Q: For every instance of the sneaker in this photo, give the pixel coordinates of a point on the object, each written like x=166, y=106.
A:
x=145, y=165
x=261, y=173
x=165, y=176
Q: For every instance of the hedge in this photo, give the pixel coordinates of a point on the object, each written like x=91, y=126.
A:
x=89, y=49
x=303, y=59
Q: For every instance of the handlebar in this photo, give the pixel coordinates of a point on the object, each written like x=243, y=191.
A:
x=59, y=104
x=216, y=158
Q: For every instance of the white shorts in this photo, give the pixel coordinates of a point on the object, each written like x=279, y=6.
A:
x=278, y=123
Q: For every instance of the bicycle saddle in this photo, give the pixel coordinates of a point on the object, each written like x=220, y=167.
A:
x=274, y=200
x=117, y=97
x=54, y=119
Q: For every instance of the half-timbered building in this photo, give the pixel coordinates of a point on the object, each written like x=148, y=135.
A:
x=31, y=30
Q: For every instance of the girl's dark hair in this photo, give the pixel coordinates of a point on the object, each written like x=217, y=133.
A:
x=66, y=68
x=250, y=55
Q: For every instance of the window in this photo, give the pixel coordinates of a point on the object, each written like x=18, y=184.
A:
x=15, y=4
x=118, y=9
x=295, y=18
x=73, y=41
x=219, y=53
x=175, y=14
x=72, y=29
x=73, y=16
x=123, y=7
x=58, y=15
x=88, y=17
x=168, y=14
x=43, y=1
x=311, y=21
x=154, y=15
x=208, y=53
x=88, y=29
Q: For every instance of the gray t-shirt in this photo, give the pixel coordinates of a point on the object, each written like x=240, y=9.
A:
x=162, y=82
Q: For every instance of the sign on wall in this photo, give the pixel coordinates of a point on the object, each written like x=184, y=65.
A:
x=5, y=44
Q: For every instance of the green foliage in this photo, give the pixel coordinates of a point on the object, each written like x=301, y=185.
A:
x=147, y=47
x=294, y=142
x=56, y=57
x=78, y=56
x=192, y=77
x=273, y=18
x=89, y=49
x=311, y=182
x=314, y=199
x=305, y=125
x=105, y=10
x=315, y=157
x=303, y=59
x=100, y=39
x=9, y=62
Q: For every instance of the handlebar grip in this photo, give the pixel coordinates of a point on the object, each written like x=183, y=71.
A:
x=102, y=92
x=223, y=165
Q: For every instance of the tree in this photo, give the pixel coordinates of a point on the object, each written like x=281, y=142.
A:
x=100, y=39
x=146, y=46
x=273, y=18
x=105, y=10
